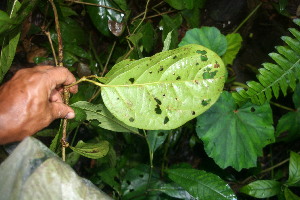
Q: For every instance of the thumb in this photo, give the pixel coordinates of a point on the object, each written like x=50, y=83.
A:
x=61, y=110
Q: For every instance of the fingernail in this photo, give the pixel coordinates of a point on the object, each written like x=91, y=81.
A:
x=70, y=115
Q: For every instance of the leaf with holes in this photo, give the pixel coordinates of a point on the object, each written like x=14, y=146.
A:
x=92, y=150
x=235, y=136
x=166, y=90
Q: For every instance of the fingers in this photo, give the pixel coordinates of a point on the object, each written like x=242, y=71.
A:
x=59, y=76
x=55, y=96
x=61, y=110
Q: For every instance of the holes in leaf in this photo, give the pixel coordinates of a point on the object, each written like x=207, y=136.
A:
x=131, y=80
x=252, y=109
x=158, y=110
x=174, y=57
x=216, y=65
x=166, y=120
x=193, y=112
x=128, y=182
x=209, y=75
x=131, y=190
x=161, y=69
x=141, y=175
x=203, y=52
x=164, y=95
x=131, y=119
x=205, y=102
x=197, y=63
x=150, y=72
x=204, y=58
x=178, y=78
x=157, y=101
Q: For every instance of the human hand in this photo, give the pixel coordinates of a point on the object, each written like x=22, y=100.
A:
x=31, y=100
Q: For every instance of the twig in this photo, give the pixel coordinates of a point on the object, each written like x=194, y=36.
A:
x=66, y=93
x=144, y=17
x=47, y=33
x=283, y=107
x=94, y=4
x=108, y=59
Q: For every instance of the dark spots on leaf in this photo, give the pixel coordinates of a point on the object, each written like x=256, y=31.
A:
x=197, y=63
x=235, y=111
x=164, y=95
x=128, y=182
x=204, y=58
x=131, y=190
x=158, y=110
x=203, y=52
x=178, y=78
x=197, y=82
x=166, y=120
x=205, y=102
x=176, y=99
x=157, y=101
x=141, y=175
x=161, y=134
x=161, y=69
x=174, y=73
x=131, y=119
x=252, y=109
x=150, y=72
x=216, y=65
x=193, y=112
x=174, y=57
x=118, y=98
x=209, y=75
x=131, y=80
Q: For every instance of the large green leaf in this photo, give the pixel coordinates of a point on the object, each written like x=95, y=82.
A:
x=209, y=37
x=166, y=90
x=106, y=120
x=101, y=15
x=235, y=136
x=201, y=185
x=262, y=189
x=174, y=190
x=294, y=169
x=234, y=43
x=92, y=150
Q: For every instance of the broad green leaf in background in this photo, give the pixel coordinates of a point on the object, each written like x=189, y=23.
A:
x=108, y=176
x=201, y=185
x=210, y=37
x=235, y=136
x=174, y=190
x=100, y=113
x=262, y=188
x=156, y=138
x=290, y=122
x=289, y=195
x=148, y=39
x=122, y=4
x=92, y=150
x=168, y=24
x=234, y=43
x=166, y=90
x=136, y=183
x=71, y=32
x=193, y=16
x=4, y=19
x=294, y=169
x=100, y=15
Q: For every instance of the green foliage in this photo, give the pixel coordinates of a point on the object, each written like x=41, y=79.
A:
x=201, y=185
x=241, y=134
x=91, y=150
x=101, y=16
x=262, y=189
x=234, y=43
x=210, y=37
x=274, y=77
x=166, y=90
x=290, y=122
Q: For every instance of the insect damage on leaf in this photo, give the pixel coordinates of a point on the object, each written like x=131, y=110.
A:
x=163, y=91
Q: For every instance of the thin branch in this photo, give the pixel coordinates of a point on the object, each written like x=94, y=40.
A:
x=94, y=4
x=144, y=17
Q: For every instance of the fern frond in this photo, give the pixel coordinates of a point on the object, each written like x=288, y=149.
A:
x=281, y=75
